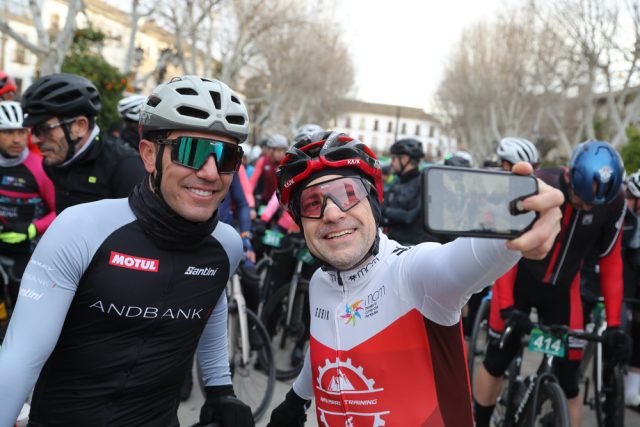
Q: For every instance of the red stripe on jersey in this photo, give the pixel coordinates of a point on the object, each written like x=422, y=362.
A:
x=566, y=217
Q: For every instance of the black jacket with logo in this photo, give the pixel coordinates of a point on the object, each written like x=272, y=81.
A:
x=107, y=169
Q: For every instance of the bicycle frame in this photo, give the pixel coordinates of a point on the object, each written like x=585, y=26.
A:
x=234, y=293
x=517, y=410
x=293, y=288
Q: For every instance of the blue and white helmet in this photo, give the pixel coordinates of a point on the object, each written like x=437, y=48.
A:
x=595, y=172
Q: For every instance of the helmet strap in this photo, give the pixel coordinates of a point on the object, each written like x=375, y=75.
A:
x=156, y=179
x=72, y=143
x=403, y=166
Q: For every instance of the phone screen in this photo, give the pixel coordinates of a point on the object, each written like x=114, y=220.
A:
x=475, y=202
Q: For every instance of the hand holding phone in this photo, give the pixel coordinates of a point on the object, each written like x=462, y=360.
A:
x=475, y=202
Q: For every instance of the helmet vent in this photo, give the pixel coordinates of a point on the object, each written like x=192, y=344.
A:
x=67, y=96
x=234, y=99
x=192, y=112
x=215, y=96
x=186, y=91
x=153, y=101
x=236, y=120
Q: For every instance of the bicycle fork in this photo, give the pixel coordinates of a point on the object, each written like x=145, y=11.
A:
x=293, y=288
x=238, y=297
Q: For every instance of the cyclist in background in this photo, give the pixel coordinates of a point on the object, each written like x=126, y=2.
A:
x=460, y=159
x=631, y=264
x=120, y=293
x=512, y=150
x=244, y=175
x=592, y=218
x=385, y=317
x=83, y=164
x=307, y=130
x=26, y=194
x=8, y=87
x=129, y=109
x=402, y=210
x=264, y=175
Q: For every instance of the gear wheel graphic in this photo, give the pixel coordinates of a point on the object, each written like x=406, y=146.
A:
x=339, y=365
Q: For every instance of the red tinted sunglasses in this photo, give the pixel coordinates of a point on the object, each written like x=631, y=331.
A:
x=344, y=192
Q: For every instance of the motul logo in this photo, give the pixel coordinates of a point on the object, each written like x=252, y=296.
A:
x=133, y=262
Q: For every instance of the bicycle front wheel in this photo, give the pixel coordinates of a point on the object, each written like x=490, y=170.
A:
x=552, y=409
x=254, y=382
x=479, y=337
x=289, y=341
x=613, y=388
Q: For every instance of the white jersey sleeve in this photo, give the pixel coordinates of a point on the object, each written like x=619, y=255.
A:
x=439, y=279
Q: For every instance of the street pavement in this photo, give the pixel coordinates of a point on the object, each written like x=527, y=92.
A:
x=189, y=410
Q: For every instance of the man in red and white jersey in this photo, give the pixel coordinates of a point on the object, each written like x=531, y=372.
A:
x=386, y=342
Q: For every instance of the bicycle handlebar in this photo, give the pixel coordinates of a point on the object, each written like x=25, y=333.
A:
x=553, y=329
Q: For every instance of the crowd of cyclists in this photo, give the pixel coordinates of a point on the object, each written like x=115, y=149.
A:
x=97, y=345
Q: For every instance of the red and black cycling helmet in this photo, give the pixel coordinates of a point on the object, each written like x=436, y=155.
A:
x=8, y=86
x=333, y=151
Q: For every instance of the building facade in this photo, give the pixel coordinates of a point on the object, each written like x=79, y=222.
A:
x=21, y=64
x=380, y=125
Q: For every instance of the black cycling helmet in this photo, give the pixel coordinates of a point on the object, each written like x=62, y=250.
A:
x=60, y=95
x=409, y=146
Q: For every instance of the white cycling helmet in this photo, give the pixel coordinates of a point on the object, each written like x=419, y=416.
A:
x=10, y=115
x=515, y=150
x=277, y=141
x=633, y=184
x=307, y=130
x=130, y=107
x=246, y=148
x=196, y=104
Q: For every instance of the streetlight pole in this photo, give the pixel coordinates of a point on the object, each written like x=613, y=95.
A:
x=395, y=136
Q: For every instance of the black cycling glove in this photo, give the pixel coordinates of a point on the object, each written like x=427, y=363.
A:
x=519, y=320
x=222, y=407
x=617, y=345
x=291, y=412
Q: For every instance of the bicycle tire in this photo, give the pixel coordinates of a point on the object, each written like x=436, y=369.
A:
x=284, y=341
x=261, y=358
x=558, y=416
x=612, y=406
x=477, y=347
x=503, y=413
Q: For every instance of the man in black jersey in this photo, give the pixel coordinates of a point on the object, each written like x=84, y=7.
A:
x=120, y=293
x=84, y=164
x=402, y=211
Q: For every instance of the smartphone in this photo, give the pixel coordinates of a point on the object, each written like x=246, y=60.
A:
x=476, y=202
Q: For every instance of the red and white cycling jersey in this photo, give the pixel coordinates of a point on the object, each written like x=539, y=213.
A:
x=386, y=342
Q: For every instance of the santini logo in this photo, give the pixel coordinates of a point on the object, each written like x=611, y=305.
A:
x=195, y=271
x=134, y=262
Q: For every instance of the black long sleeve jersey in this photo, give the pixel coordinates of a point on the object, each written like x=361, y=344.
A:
x=113, y=321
